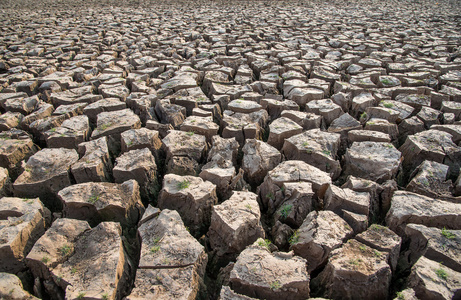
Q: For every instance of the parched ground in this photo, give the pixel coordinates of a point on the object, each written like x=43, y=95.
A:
x=230, y=149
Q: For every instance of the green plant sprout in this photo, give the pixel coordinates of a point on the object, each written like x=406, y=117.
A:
x=65, y=250
x=294, y=238
x=285, y=210
x=447, y=234
x=183, y=184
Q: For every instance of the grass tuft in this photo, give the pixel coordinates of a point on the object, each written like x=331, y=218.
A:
x=183, y=184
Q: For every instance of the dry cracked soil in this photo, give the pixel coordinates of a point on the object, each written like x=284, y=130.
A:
x=230, y=149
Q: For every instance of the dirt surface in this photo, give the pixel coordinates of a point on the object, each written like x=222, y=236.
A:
x=230, y=149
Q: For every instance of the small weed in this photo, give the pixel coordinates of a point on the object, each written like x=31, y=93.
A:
x=441, y=273
x=270, y=195
x=363, y=248
x=347, y=227
x=73, y=270
x=58, y=279
x=400, y=296
x=363, y=115
x=377, y=227
x=305, y=144
x=248, y=206
x=190, y=133
x=264, y=243
x=275, y=285
x=354, y=262
x=294, y=238
x=53, y=129
x=448, y=234
x=390, y=146
x=65, y=250
x=386, y=81
x=377, y=253
x=105, y=296
x=154, y=249
x=80, y=295
x=45, y=259
x=187, y=228
x=285, y=210
x=93, y=199
x=105, y=126
x=183, y=184
x=388, y=105
x=326, y=152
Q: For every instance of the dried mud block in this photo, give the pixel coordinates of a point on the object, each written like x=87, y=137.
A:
x=23, y=222
x=261, y=274
x=192, y=197
x=172, y=263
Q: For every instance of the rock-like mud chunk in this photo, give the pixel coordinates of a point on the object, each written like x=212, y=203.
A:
x=142, y=138
x=261, y=274
x=355, y=271
x=433, y=145
x=10, y=120
x=98, y=268
x=297, y=201
x=235, y=223
x=371, y=160
x=271, y=192
x=220, y=168
x=320, y=233
x=103, y=201
x=172, y=262
x=317, y=148
x=45, y=174
x=201, y=125
x=112, y=124
x=22, y=222
x=54, y=248
x=280, y=130
x=5, y=182
x=259, y=158
x=140, y=166
x=431, y=280
x=430, y=180
x=11, y=288
x=407, y=207
x=228, y=294
x=338, y=200
x=181, y=143
x=382, y=239
x=72, y=132
x=192, y=197
x=94, y=164
x=440, y=245
x=15, y=148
